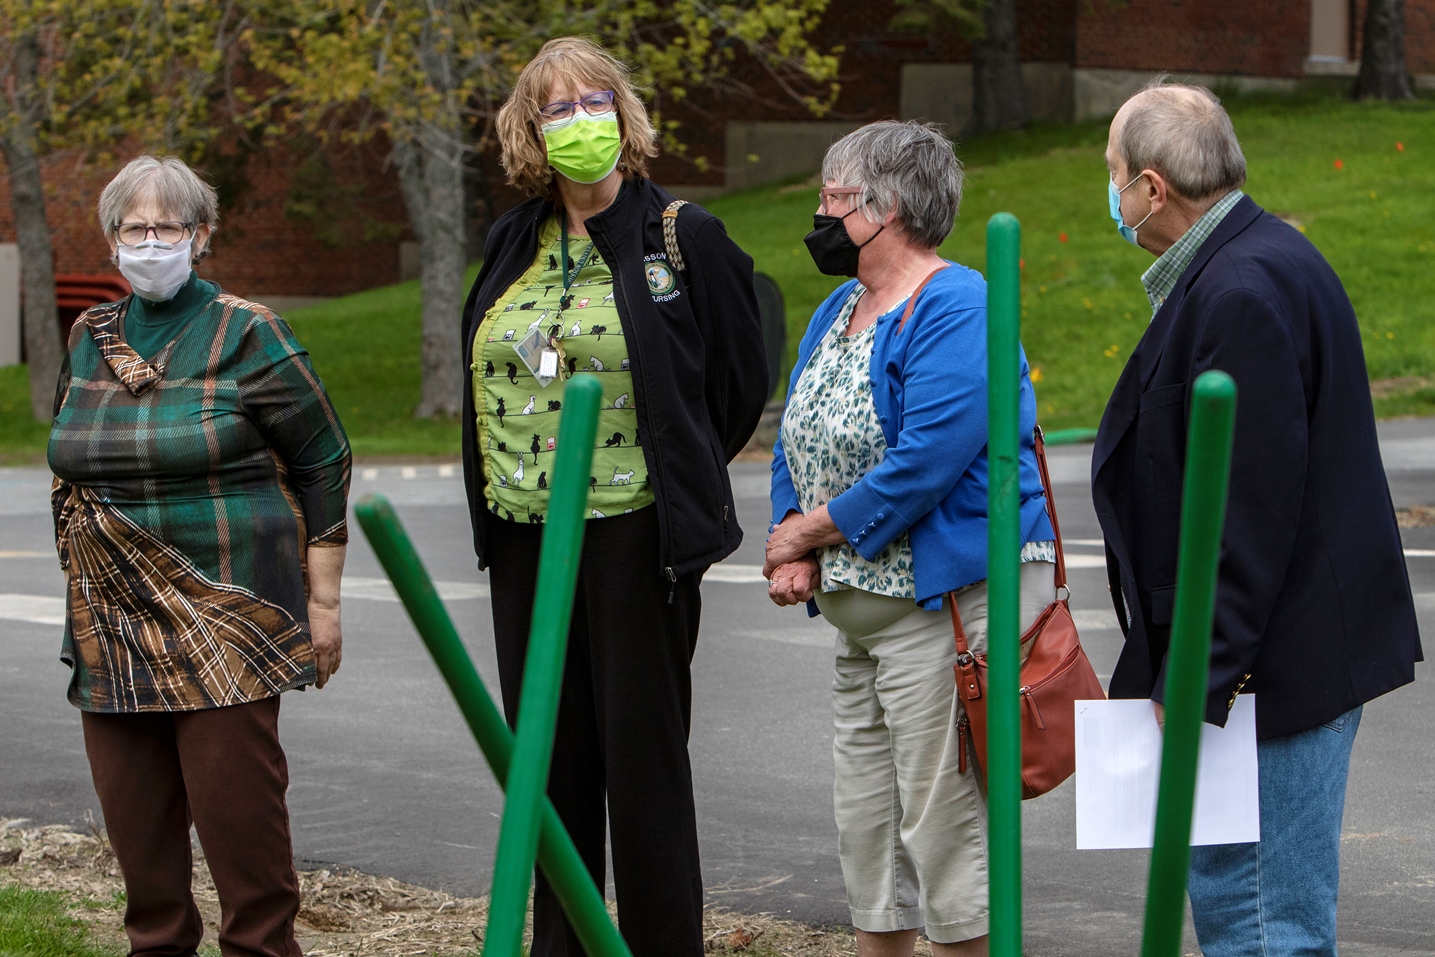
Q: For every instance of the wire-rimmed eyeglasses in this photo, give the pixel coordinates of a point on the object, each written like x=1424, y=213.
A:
x=132, y=234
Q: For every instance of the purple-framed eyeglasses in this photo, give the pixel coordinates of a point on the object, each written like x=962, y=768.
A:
x=600, y=102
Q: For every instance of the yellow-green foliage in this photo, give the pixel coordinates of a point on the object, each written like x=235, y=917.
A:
x=417, y=65
x=117, y=72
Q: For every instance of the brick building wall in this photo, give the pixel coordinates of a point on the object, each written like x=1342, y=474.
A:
x=1420, y=36
x=871, y=76
x=257, y=249
x=1264, y=38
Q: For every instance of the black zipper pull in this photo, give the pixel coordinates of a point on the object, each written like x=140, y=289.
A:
x=673, y=579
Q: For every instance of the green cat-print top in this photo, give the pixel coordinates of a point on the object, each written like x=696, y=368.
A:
x=517, y=421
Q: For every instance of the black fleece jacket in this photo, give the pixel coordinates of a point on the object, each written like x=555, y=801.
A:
x=698, y=364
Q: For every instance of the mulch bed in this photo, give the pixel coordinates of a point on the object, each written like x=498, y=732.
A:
x=346, y=913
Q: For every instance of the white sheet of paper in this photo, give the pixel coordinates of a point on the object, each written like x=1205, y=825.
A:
x=1118, y=771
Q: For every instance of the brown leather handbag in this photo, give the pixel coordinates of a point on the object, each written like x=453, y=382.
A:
x=1055, y=675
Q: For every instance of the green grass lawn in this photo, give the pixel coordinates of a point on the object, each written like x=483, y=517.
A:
x=1373, y=216
x=1083, y=305
x=37, y=924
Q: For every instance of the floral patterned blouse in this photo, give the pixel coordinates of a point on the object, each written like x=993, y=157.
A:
x=832, y=438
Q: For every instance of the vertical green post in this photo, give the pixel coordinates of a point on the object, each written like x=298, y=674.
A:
x=543, y=669
x=557, y=855
x=1203, y=512
x=1003, y=581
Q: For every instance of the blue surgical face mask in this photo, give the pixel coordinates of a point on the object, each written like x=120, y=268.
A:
x=1113, y=197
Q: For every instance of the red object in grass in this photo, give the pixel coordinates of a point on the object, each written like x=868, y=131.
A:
x=1399, y=147
x=1021, y=263
x=1061, y=236
x=1339, y=165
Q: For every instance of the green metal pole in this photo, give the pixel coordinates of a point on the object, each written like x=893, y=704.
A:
x=1203, y=512
x=557, y=854
x=543, y=669
x=1003, y=581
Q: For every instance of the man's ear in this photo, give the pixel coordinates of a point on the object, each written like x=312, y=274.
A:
x=1157, y=190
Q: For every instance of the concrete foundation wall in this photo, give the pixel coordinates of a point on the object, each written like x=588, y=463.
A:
x=942, y=93
x=1100, y=93
x=9, y=304
x=760, y=151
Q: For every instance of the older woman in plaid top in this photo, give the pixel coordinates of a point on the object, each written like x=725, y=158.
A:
x=200, y=498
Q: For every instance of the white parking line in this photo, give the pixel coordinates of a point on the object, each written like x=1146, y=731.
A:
x=380, y=589
x=36, y=608
x=734, y=574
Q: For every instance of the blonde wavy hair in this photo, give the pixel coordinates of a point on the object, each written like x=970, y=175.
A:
x=581, y=62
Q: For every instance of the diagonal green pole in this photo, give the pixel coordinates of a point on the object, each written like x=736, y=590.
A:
x=1003, y=581
x=543, y=669
x=557, y=855
x=1203, y=511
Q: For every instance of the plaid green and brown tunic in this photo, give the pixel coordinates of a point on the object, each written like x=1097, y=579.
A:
x=188, y=489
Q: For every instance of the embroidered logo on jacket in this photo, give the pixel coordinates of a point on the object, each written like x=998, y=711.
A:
x=661, y=281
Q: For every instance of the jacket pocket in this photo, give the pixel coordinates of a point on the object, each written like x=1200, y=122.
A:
x=1163, y=396
x=1163, y=604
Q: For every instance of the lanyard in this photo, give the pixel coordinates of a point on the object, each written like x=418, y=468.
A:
x=568, y=276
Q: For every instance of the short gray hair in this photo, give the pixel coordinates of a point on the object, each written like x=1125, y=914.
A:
x=1182, y=133
x=908, y=167
x=172, y=185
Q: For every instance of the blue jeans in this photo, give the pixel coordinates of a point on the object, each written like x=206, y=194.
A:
x=1277, y=898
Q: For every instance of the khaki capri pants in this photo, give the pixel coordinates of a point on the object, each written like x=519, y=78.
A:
x=912, y=829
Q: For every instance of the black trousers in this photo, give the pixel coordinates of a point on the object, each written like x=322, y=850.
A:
x=623, y=722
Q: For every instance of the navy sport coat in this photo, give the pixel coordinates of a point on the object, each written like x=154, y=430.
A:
x=1313, y=605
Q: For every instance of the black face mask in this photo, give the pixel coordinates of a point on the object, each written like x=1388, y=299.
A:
x=832, y=248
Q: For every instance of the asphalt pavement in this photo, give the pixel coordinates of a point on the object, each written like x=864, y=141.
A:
x=385, y=777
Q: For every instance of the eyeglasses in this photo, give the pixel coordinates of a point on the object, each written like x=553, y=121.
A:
x=600, y=102
x=826, y=194
x=132, y=234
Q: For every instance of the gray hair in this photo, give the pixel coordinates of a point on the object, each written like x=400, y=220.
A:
x=170, y=183
x=1182, y=133
x=908, y=167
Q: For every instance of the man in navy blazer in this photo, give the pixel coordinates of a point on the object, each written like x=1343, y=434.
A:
x=1313, y=607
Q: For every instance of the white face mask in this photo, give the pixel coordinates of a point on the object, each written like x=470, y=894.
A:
x=156, y=270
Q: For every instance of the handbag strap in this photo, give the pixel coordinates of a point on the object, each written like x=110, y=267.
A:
x=912, y=299
x=959, y=633
x=1039, y=437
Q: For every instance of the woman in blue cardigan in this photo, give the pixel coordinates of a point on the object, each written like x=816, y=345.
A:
x=879, y=495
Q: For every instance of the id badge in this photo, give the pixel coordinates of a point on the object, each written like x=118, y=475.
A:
x=539, y=356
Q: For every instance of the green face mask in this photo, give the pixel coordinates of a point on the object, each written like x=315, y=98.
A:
x=584, y=147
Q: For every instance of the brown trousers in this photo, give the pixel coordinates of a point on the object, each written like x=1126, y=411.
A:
x=223, y=769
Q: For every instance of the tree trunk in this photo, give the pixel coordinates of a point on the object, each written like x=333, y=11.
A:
x=39, y=318
x=432, y=186
x=478, y=208
x=1383, y=74
x=998, y=92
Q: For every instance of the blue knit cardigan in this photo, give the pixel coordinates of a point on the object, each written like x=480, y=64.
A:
x=929, y=386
